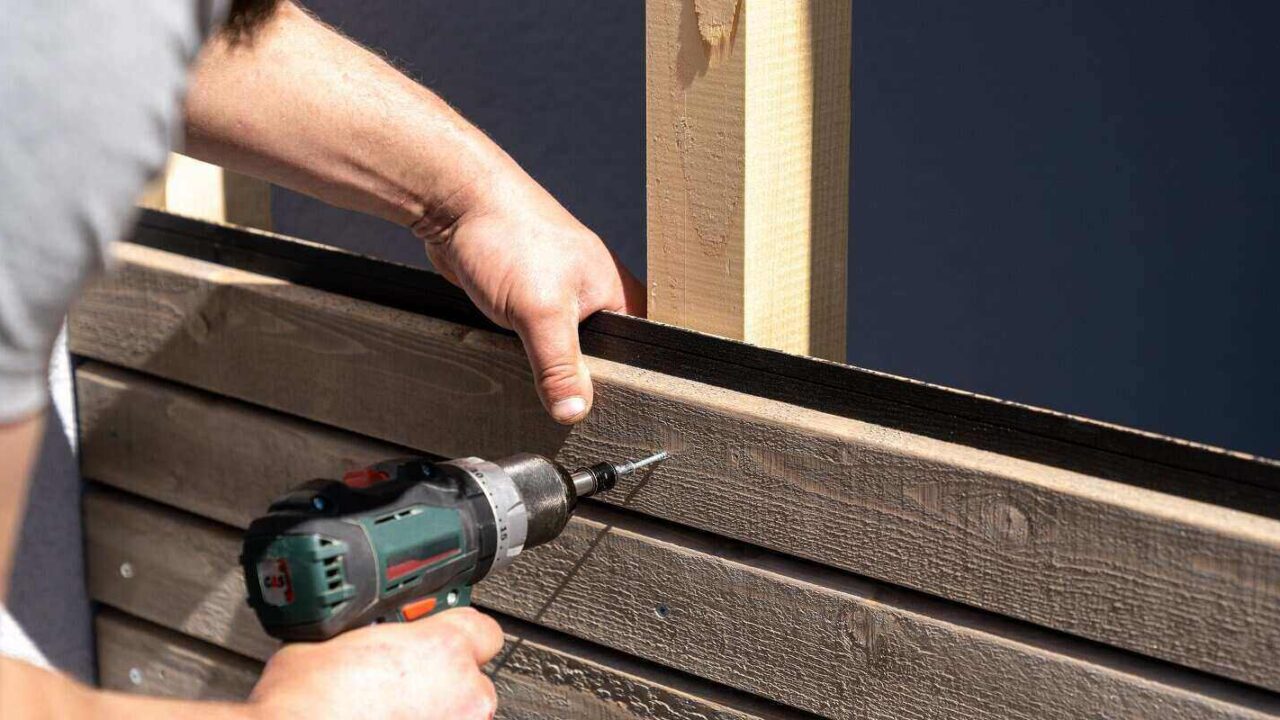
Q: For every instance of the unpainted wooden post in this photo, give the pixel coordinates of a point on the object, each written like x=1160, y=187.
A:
x=198, y=189
x=748, y=119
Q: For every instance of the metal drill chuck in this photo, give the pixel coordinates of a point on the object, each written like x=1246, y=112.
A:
x=533, y=497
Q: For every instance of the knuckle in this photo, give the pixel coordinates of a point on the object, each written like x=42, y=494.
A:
x=557, y=374
x=291, y=653
x=489, y=625
x=484, y=698
x=450, y=639
x=285, y=654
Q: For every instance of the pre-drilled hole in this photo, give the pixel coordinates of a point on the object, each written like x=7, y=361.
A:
x=662, y=611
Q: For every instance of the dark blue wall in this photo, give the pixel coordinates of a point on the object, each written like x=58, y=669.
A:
x=1070, y=204
x=1074, y=204
x=559, y=85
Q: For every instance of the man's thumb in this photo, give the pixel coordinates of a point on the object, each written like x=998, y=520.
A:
x=564, y=384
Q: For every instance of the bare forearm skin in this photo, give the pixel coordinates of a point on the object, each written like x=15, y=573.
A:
x=19, y=442
x=302, y=106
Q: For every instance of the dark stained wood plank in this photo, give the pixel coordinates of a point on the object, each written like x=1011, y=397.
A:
x=135, y=656
x=1159, y=574
x=217, y=456
x=838, y=648
x=536, y=682
x=1010, y=428
x=364, y=365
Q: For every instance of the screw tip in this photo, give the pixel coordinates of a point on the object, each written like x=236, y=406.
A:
x=654, y=458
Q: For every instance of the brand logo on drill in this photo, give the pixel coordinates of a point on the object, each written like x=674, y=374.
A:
x=273, y=578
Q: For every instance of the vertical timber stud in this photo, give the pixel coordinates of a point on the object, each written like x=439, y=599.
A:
x=200, y=190
x=748, y=117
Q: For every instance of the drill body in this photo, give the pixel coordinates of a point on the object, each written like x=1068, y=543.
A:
x=404, y=539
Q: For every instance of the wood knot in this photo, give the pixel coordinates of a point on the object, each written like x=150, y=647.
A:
x=200, y=326
x=1003, y=521
x=717, y=23
x=866, y=632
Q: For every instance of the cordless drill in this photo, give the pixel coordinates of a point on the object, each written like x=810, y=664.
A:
x=405, y=538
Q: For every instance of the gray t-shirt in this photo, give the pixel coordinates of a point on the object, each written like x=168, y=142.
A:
x=90, y=103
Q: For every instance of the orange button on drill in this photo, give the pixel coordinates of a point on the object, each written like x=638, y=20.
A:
x=418, y=608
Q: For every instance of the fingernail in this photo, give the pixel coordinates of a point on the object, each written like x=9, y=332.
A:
x=569, y=409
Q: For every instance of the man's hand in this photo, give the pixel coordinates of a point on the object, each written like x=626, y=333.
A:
x=359, y=134
x=531, y=267
x=424, y=670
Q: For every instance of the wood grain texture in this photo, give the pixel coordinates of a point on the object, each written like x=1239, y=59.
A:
x=239, y=334
x=1010, y=428
x=836, y=651
x=197, y=189
x=135, y=656
x=219, y=457
x=535, y=680
x=748, y=116
x=1163, y=575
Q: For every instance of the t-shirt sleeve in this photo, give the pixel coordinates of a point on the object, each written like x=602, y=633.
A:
x=38, y=281
x=92, y=99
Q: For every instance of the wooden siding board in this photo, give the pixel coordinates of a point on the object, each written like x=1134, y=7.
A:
x=1010, y=428
x=762, y=627
x=535, y=683
x=1159, y=574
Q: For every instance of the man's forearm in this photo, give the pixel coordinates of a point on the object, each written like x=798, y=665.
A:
x=30, y=693
x=300, y=105
x=19, y=442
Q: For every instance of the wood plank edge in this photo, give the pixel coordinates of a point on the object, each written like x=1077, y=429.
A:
x=116, y=629
x=789, y=569
x=1026, y=632
x=519, y=635
x=698, y=356
x=645, y=670
x=907, y=600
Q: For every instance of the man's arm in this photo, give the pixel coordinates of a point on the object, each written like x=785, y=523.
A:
x=342, y=678
x=300, y=105
x=19, y=441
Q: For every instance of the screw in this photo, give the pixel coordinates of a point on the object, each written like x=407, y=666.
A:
x=135, y=676
x=662, y=611
x=126, y=570
x=452, y=598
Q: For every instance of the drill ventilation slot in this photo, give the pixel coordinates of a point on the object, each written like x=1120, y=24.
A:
x=407, y=512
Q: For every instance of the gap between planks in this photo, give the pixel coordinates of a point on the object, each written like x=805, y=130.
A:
x=1158, y=574
x=1068, y=441
x=547, y=677
x=737, y=616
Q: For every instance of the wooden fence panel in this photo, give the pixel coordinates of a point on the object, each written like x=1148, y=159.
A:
x=1163, y=575
x=796, y=634
x=535, y=683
